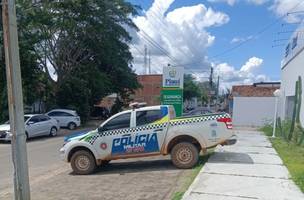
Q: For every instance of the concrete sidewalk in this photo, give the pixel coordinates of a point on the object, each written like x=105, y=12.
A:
x=250, y=169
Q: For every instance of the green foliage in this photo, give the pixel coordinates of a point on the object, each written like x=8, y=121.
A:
x=281, y=130
x=189, y=179
x=296, y=132
x=74, y=95
x=84, y=41
x=191, y=88
x=293, y=157
x=291, y=153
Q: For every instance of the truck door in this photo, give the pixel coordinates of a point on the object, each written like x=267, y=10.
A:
x=151, y=129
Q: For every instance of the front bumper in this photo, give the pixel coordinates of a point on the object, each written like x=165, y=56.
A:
x=231, y=141
x=5, y=137
x=63, y=155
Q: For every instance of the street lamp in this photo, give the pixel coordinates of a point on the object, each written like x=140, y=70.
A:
x=276, y=94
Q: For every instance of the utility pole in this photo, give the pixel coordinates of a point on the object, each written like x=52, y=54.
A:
x=145, y=60
x=149, y=61
x=211, y=87
x=15, y=101
x=217, y=92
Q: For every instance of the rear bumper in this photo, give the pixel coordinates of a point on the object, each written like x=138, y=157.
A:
x=230, y=141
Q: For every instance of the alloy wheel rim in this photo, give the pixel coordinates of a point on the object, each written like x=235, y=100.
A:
x=53, y=131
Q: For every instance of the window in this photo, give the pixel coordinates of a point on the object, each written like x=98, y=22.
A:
x=59, y=114
x=25, y=118
x=147, y=117
x=287, y=50
x=119, y=122
x=294, y=42
x=44, y=118
x=34, y=119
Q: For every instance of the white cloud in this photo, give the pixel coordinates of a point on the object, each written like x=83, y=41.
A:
x=282, y=7
x=240, y=39
x=251, y=65
x=279, y=7
x=232, y=2
x=182, y=32
x=229, y=2
x=247, y=74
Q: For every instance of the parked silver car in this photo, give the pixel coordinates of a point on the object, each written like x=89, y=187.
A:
x=66, y=118
x=35, y=125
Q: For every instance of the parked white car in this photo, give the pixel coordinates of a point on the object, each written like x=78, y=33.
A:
x=66, y=118
x=35, y=125
x=145, y=132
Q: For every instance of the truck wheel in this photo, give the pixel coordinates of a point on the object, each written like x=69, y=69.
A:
x=83, y=162
x=184, y=155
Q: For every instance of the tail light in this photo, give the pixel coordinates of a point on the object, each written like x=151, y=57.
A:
x=227, y=121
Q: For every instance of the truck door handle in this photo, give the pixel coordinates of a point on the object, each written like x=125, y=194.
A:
x=158, y=130
x=213, y=124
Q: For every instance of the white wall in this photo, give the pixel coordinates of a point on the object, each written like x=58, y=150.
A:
x=253, y=111
x=290, y=73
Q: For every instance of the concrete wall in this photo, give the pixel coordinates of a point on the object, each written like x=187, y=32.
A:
x=290, y=72
x=253, y=111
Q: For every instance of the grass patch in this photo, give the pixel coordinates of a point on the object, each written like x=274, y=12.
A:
x=189, y=179
x=293, y=157
x=291, y=154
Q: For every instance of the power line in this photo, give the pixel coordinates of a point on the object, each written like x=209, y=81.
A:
x=156, y=45
x=282, y=32
x=257, y=33
x=264, y=29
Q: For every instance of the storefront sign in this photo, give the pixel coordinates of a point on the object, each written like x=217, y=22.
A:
x=173, y=77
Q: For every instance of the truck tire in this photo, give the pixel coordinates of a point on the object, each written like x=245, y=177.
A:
x=184, y=155
x=83, y=162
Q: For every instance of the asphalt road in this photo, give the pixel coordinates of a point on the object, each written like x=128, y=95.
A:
x=51, y=178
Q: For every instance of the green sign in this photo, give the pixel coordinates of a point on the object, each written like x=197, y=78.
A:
x=173, y=96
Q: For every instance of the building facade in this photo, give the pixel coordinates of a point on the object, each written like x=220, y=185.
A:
x=253, y=105
x=150, y=90
x=292, y=66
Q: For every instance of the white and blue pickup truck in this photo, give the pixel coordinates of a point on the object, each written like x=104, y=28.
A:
x=148, y=131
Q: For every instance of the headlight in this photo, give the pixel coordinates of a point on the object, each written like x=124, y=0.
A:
x=9, y=134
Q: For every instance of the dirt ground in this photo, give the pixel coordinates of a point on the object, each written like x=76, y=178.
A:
x=152, y=178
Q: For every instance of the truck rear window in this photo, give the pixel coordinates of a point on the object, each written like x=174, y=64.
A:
x=147, y=117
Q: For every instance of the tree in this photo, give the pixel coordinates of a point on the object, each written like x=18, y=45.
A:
x=32, y=76
x=191, y=89
x=85, y=42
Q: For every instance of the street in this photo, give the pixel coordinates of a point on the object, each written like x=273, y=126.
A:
x=51, y=178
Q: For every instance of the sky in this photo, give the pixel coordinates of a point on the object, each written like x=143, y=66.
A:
x=238, y=38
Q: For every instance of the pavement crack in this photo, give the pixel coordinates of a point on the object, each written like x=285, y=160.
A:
x=224, y=195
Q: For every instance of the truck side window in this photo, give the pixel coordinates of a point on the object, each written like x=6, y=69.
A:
x=147, y=117
x=119, y=122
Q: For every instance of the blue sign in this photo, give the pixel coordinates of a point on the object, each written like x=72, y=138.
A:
x=127, y=144
x=172, y=83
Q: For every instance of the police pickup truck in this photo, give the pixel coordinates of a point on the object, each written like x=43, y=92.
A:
x=147, y=131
